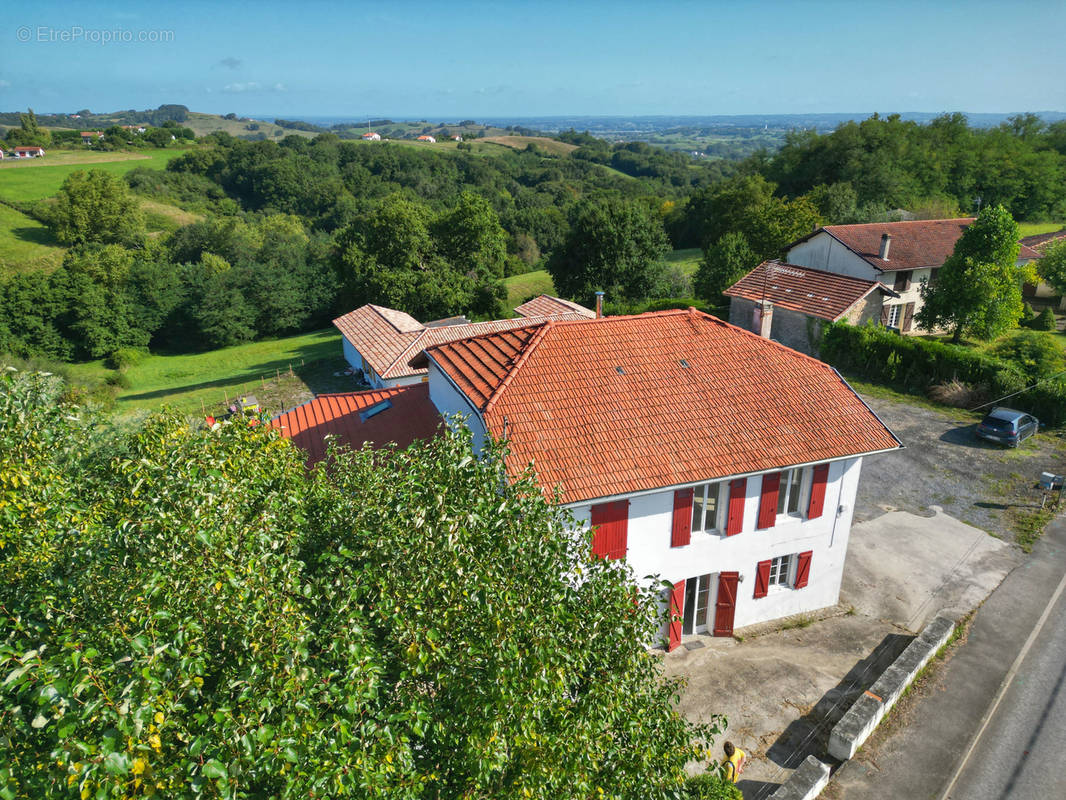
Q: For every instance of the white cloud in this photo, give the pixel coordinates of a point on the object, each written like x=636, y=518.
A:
x=252, y=86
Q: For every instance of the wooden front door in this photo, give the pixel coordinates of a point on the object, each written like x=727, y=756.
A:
x=726, y=606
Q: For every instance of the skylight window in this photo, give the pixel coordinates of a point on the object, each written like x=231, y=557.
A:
x=620, y=371
x=684, y=363
x=377, y=408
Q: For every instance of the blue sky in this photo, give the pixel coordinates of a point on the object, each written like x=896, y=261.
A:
x=450, y=61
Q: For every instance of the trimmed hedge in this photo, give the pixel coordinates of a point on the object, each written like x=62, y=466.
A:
x=914, y=365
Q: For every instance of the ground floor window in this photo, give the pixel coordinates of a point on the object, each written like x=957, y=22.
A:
x=697, y=596
x=893, y=316
x=780, y=571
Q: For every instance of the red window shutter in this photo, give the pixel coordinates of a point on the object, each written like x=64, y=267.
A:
x=803, y=569
x=682, y=530
x=677, y=608
x=768, y=504
x=814, y=509
x=762, y=579
x=735, y=518
x=610, y=522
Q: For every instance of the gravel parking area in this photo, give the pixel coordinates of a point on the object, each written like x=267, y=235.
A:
x=986, y=485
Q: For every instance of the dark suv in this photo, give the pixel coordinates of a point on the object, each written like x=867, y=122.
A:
x=1007, y=426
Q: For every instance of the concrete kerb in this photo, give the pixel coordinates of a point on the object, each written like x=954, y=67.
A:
x=805, y=783
x=863, y=717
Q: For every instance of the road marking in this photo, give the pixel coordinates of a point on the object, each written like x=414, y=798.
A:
x=1005, y=685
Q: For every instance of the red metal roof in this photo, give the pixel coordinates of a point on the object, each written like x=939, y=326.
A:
x=617, y=405
x=545, y=304
x=827, y=295
x=411, y=416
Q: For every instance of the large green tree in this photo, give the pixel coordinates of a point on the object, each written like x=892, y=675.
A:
x=612, y=245
x=978, y=290
x=723, y=264
x=747, y=205
x=95, y=207
x=1052, y=267
x=29, y=131
x=190, y=613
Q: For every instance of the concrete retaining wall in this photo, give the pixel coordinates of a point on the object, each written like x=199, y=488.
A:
x=805, y=783
x=860, y=720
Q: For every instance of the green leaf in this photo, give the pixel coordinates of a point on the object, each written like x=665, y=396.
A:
x=117, y=763
x=214, y=769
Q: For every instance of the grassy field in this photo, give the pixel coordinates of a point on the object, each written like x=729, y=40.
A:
x=521, y=287
x=687, y=260
x=1033, y=228
x=26, y=245
x=37, y=178
x=522, y=142
x=184, y=382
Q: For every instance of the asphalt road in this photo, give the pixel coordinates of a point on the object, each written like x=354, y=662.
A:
x=929, y=740
x=1018, y=755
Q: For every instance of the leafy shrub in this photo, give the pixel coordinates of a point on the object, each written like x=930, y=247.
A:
x=1044, y=321
x=1035, y=352
x=710, y=786
x=125, y=357
x=118, y=379
x=916, y=365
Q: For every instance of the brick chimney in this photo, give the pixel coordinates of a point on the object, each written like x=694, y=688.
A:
x=599, y=305
x=886, y=241
x=762, y=318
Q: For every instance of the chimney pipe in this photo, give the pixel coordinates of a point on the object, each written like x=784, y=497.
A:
x=886, y=241
x=599, y=305
x=762, y=318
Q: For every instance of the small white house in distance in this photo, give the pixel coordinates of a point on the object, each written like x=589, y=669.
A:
x=425, y=138
x=382, y=342
x=718, y=461
x=370, y=136
x=901, y=255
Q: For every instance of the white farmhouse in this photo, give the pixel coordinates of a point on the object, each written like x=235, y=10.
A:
x=901, y=255
x=703, y=454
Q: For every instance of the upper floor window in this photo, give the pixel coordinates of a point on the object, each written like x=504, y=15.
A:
x=789, y=491
x=706, y=505
x=903, y=280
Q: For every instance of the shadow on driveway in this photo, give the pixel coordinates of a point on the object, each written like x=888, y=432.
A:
x=809, y=735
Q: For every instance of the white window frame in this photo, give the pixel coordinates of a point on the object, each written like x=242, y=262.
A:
x=788, y=490
x=782, y=572
x=704, y=490
x=895, y=314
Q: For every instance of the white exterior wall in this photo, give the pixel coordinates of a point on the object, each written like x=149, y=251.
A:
x=826, y=253
x=649, y=552
x=450, y=401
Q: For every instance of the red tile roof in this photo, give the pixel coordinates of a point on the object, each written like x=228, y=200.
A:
x=390, y=340
x=617, y=405
x=916, y=244
x=827, y=295
x=1041, y=241
x=545, y=304
x=411, y=417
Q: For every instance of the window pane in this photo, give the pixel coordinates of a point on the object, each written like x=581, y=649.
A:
x=690, y=605
x=697, y=508
x=711, y=520
x=701, y=601
x=782, y=493
x=794, y=492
